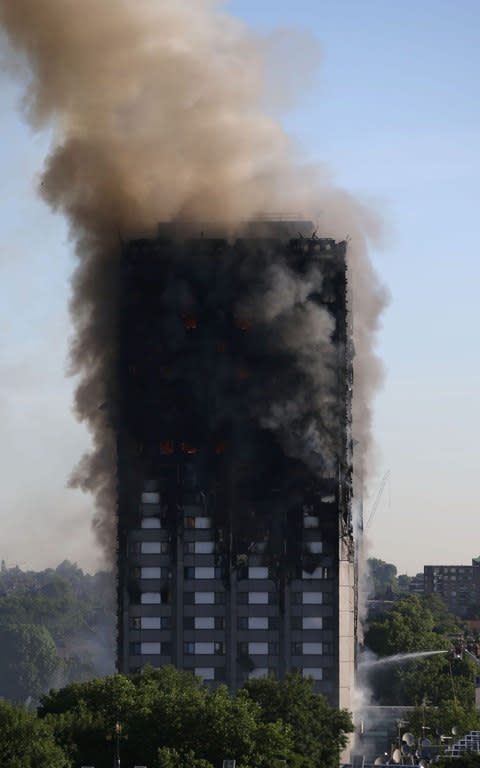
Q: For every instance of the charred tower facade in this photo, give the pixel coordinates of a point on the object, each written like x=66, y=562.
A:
x=235, y=542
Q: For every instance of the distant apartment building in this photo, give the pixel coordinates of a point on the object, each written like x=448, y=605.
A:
x=458, y=585
x=417, y=584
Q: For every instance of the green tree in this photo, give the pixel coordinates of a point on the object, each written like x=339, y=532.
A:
x=30, y=662
x=26, y=742
x=413, y=624
x=167, y=710
x=383, y=577
x=319, y=731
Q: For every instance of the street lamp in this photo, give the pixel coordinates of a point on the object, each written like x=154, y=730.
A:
x=116, y=759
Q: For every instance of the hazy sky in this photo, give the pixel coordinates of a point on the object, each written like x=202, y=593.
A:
x=394, y=112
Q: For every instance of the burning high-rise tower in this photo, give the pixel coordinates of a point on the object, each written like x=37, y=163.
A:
x=235, y=554
x=223, y=365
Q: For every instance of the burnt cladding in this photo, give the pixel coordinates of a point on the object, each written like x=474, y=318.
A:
x=221, y=415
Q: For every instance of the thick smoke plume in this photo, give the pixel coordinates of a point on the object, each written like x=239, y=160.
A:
x=157, y=114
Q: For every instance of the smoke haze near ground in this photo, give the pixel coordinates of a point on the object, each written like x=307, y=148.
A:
x=158, y=113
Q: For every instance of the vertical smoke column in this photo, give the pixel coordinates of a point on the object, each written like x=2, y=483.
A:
x=156, y=109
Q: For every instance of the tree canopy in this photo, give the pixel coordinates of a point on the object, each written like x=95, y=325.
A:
x=27, y=742
x=415, y=624
x=172, y=719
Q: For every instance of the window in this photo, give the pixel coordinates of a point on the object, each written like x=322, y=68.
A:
x=189, y=572
x=242, y=598
x=309, y=521
x=150, y=622
x=315, y=672
x=258, y=672
x=189, y=522
x=257, y=572
x=258, y=648
x=219, y=598
x=312, y=648
x=219, y=622
x=202, y=572
x=134, y=622
x=165, y=622
x=204, y=547
x=312, y=598
x=219, y=648
x=258, y=622
x=189, y=649
x=150, y=598
x=188, y=598
x=203, y=522
x=151, y=573
x=204, y=598
x=150, y=498
x=312, y=622
x=189, y=547
x=204, y=622
x=135, y=649
x=188, y=622
x=242, y=649
x=219, y=673
x=150, y=649
x=242, y=622
x=296, y=649
x=154, y=547
x=208, y=673
x=317, y=573
x=296, y=622
x=151, y=522
x=258, y=598
x=204, y=648
x=315, y=547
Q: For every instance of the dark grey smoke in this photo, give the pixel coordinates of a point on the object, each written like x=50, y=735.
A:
x=157, y=115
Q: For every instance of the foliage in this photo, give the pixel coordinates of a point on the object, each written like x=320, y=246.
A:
x=26, y=742
x=66, y=607
x=383, y=577
x=167, y=710
x=319, y=730
x=172, y=720
x=29, y=660
x=418, y=623
x=168, y=757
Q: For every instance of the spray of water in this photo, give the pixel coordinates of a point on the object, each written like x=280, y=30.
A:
x=397, y=658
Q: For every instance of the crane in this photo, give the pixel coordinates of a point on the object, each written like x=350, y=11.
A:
x=377, y=500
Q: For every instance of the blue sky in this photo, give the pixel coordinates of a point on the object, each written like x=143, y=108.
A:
x=393, y=111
